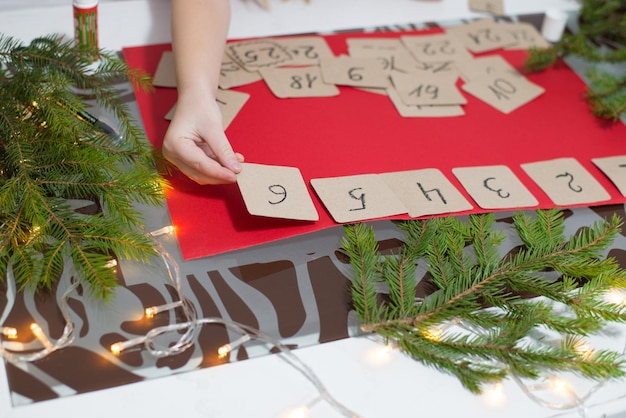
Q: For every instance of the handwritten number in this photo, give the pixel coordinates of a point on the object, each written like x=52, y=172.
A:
x=278, y=190
x=297, y=82
x=502, y=88
x=570, y=183
x=353, y=75
x=429, y=89
x=360, y=198
x=501, y=194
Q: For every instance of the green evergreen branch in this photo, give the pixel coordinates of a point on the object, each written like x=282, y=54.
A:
x=601, y=37
x=493, y=299
x=50, y=155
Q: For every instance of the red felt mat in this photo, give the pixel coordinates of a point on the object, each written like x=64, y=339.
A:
x=359, y=132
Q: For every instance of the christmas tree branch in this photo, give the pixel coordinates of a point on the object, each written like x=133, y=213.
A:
x=489, y=299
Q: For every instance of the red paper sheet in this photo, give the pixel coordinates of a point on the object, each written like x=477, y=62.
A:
x=359, y=132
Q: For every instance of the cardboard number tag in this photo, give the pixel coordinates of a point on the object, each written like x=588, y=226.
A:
x=229, y=102
x=358, y=72
x=417, y=111
x=495, y=7
x=435, y=48
x=503, y=90
x=234, y=75
x=428, y=89
x=483, y=35
x=257, y=54
x=426, y=192
x=357, y=198
x=276, y=192
x=298, y=82
x=495, y=187
x=165, y=74
x=566, y=182
x=390, y=53
x=615, y=169
x=305, y=50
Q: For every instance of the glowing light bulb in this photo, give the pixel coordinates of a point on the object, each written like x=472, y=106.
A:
x=9, y=332
x=153, y=310
x=495, y=394
x=433, y=334
x=118, y=347
x=163, y=231
x=301, y=412
x=41, y=336
x=225, y=349
x=616, y=297
x=559, y=385
x=111, y=263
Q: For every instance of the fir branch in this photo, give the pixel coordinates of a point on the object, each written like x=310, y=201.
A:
x=601, y=37
x=481, y=293
x=49, y=156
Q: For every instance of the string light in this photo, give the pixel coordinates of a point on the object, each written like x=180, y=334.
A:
x=9, y=332
x=153, y=310
x=39, y=334
x=163, y=231
x=118, y=347
x=616, y=296
x=226, y=349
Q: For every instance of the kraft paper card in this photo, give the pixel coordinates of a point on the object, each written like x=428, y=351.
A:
x=298, y=82
x=165, y=74
x=416, y=111
x=504, y=90
x=495, y=7
x=495, y=187
x=525, y=35
x=484, y=66
x=257, y=54
x=482, y=35
x=427, y=89
x=305, y=50
x=436, y=48
x=234, y=75
x=615, y=169
x=275, y=192
x=357, y=198
x=426, y=192
x=566, y=182
x=229, y=102
x=354, y=71
x=391, y=53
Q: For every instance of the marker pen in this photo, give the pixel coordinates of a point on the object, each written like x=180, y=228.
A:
x=86, y=26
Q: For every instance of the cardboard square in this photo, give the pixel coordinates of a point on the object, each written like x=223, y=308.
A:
x=229, y=102
x=495, y=187
x=165, y=74
x=391, y=53
x=426, y=192
x=482, y=35
x=354, y=71
x=416, y=111
x=526, y=36
x=275, y=192
x=503, y=90
x=260, y=53
x=615, y=169
x=566, y=182
x=441, y=47
x=357, y=198
x=305, y=50
x=298, y=82
x=427, y=89
x=484, y=66
x=495, y=7
x=234, y=75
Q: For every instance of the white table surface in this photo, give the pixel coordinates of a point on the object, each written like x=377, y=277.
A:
x=267, y=386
